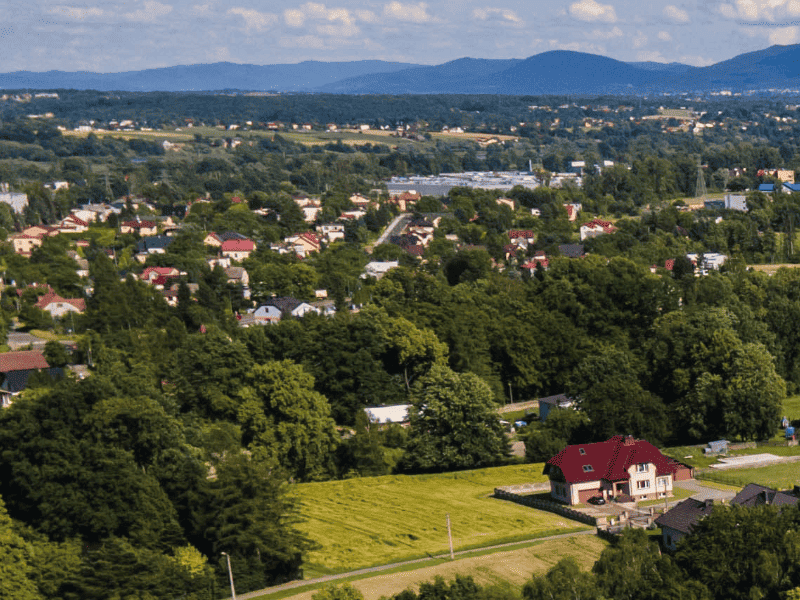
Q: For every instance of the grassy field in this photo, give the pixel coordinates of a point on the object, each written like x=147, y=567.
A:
x=379, y=520
x=509, y=568
x=781, y=477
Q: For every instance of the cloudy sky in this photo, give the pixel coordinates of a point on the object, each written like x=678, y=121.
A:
x=121, y=35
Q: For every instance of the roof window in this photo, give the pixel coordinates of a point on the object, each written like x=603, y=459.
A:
x=582, y=451
x=588, y=468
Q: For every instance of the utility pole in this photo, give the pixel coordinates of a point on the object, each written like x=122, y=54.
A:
x=449, y=537
x=230, y=575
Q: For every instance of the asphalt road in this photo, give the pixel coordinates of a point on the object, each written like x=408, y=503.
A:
x=394, y=228
x=327, y=578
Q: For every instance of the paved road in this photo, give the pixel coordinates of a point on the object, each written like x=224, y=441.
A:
x=327, y=578
x=702, y=492
x=394, y=228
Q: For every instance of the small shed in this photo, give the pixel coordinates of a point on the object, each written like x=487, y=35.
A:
x=718, y=447
x=550, y=403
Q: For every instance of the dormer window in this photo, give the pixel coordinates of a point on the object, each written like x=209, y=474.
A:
x=582, y=451
x=587, y=468
x=642, y=468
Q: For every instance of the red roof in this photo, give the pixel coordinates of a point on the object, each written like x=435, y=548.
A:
x=22, y=361
x=669, y=264
x=139, y=224
x=520, y=233
x=52, y=297
x=238, y=246
x=609, y=460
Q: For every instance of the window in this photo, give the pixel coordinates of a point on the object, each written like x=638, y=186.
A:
x=643, y=485
x=582, y=451
x=642, y=468
x=588, y=468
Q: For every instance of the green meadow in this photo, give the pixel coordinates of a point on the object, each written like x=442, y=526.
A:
x=782, y=476
x=380, y=520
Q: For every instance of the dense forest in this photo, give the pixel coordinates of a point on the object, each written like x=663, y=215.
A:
x=182, y=442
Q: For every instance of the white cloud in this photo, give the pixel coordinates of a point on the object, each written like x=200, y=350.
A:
x=201, y=10
x=337, y=22
x=650, y=55
x=606, y=34
x=771, y=11
x=697, y=61
x=640, y=40
x=255, y=19
x=306, y=41
x=676, y=14
x=150, y=12
x=784, y=36
x=367, y=16
x=664, y=36
x=77, y=13
x=496, y=14
x=294, y=17
x=411, y=13
x=591, y=10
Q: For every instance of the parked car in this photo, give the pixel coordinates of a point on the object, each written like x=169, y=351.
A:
x=598, y=500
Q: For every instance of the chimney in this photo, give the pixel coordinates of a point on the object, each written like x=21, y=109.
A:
x=628, y=441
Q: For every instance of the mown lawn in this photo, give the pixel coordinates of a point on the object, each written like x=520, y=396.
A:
x=379, y=520
x=781, y=477
x=506, y=569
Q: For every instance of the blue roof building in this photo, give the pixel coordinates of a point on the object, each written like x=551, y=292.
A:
x=766, y=188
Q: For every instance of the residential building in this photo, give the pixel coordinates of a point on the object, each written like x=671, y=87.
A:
x=596, y=227
x=621, y=467
x=237, y=250
x=57, y=306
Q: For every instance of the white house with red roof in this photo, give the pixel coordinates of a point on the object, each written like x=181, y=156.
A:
x=620, y=466
x=596, y=227
x=304, y=243
x=158, y=276
x=58, y=307
x=237, y=250
x=141, y=227
x=25, y=244
x=72, y=224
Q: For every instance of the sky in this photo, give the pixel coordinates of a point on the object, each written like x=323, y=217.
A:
x=112, y=35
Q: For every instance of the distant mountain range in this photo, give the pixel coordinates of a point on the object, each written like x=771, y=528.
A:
x=554, y=72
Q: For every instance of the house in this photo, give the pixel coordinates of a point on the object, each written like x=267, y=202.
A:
x=405, y=200
x=290, y=306
x=551, y=403
x=573, y=210
x=58, y=307
x=215, y=240
x=758, y=495
x=237, y=276
x=679, y=521
x=156, y=244
x=330, y=232
x=619, y=467
x=72, y=224
x=596, y=227
x=707, y=262
x=766, y=188
x=143, y=228
x=387, y=415
x=304, y=243
x=16, y=368
x=24, y=244
x=158, y=275
x=378, y=269
x=237, y=250
x=17, y=202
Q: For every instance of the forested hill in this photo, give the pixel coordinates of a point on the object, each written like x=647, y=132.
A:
x=553, y=72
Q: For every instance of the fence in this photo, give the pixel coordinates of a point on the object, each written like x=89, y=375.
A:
x=512, y=494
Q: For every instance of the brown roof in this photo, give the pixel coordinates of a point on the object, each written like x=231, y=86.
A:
x=22, y=361
x=685, y=515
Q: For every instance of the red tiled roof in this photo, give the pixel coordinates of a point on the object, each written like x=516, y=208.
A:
x=22, y=361
x=520, y=233
x=238, y=246
x=669, y=264
x=52, y=297
x=139, y=224
x=609, y=460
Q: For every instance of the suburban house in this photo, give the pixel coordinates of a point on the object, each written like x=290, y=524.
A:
x=25, y=244
x=330, y=232
x=237, y=250
x=16, y=368
x=619, y=467
x=378, y=269
x=386, y=415
x=551, y=403
x=406, y=200
x=143, y=228
x=156, y=244
x=72, y=224
x=17, y=202
x=158, y=276
x=215, y=240
x=304, y=243
x=706, y=262
x=58, y=307
x=290, y=306
x=679, y=521
x=596, y=227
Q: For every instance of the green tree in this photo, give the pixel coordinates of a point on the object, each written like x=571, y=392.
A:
x=283, y=417
x=453, y=424
x=16, y=572
x=345, y=591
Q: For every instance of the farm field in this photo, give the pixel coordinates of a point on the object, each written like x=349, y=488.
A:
x=509, y=568
x=380, y=520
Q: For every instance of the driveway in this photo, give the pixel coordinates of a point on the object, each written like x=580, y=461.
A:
x=702, y=492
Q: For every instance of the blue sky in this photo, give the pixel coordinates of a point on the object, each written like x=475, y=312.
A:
x=112, y=36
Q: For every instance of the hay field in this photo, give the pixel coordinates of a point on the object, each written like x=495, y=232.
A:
x=380, y=520
x=507, y=568
x=781, y=476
